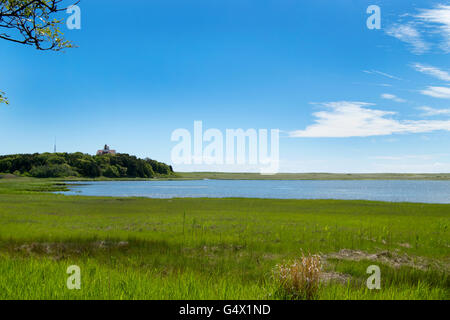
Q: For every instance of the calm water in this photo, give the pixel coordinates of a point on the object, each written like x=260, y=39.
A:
x=381, y=190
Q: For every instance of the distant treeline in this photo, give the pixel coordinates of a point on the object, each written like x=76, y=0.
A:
x=53, y=165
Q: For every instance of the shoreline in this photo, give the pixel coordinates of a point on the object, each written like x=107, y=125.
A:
x=280, y=176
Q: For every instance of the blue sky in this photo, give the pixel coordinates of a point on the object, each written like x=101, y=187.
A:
x=346, y=98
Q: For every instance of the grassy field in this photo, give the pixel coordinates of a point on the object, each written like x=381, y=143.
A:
x=313, y=176
x=136, y=248
x=278, y=176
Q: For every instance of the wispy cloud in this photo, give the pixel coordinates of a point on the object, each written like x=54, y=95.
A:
x=438, y=18
x=428, y=111
x=405, y=157
x=384, y=74
x=437, y=92
x=392, y=97
x=418, y=166
x=424, y=29
x=409, y=34
x=432, y=71
x=355, y=119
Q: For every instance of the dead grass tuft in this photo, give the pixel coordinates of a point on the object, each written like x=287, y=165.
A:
x=300, y=278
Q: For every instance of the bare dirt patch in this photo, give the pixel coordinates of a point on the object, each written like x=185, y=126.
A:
x=393, y=259
x=8, y=176
x=63, y=250
x=110, y=244
x=332, y=276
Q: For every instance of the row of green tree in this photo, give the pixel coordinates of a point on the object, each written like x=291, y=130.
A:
x=52, y=165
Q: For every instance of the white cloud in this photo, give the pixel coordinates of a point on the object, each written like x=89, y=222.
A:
x=432, y=71
x=384, y=74
x=405, y=157
x=433, y=112
x=438, y=18
x=416, y=167
x=392, y=97
x=409, y=34
x=437, y=92
x=424, y=29
x=355, y=119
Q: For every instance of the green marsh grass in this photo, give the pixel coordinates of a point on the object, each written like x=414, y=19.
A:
x=136, y=248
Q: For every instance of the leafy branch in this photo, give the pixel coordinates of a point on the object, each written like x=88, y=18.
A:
x=3, y=99
x=32, y=23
